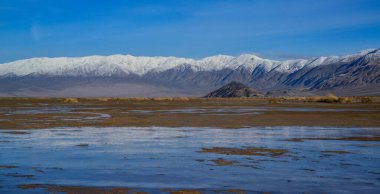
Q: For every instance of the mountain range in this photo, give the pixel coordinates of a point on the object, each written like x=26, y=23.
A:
x=131, y=76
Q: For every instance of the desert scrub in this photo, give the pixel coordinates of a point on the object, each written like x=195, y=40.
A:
x=137, y=99
x=329, y=98
x=103, y=99
x=163, y=99
x=345, y=100
x=365, y=100
x=303, y=99
x=274, y=101
x=71, y=100
x=313, y=98
x=181, y=99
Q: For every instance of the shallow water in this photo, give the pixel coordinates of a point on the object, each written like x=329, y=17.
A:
x=237, y=111
x=151, y=158
x=65, y=113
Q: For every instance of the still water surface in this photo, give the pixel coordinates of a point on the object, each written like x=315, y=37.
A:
x=153, y=158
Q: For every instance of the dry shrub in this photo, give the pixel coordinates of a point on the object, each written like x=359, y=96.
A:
x=103, y=99
x=365, y=100
x=181, y=99
x=131, y=99
x=120, y=99
x=139, y=98
x=274, y=101
x=329, y=98
x=313, y=98
x=297, y=98
x=163, y=99
x=345, y=100
x=71, y=100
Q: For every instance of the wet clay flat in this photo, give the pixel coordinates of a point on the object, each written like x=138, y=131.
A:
x=223, y=113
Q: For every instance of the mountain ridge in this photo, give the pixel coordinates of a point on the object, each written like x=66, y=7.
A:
x=140, y=65
x=344, y=74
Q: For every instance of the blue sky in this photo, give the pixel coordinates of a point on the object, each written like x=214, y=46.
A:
x=277, y=29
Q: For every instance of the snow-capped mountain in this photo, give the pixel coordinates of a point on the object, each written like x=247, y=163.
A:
x=109, y=65
x=127, y=64
x=358, y=70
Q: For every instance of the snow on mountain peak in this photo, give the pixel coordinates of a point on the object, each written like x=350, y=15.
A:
x=108, y=65
x=367, y=51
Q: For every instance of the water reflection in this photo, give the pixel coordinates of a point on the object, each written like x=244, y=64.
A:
x=161, y=157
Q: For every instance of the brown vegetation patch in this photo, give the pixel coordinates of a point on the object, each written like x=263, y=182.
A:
x=223, y=162
x=85, y=190
x=29, y=186
x=245, y=151
x=329, y=98
x=104, y=99
x=366, y=100
x=235, y=191
x=275, y=100
x=71, y=100
x=185, y=192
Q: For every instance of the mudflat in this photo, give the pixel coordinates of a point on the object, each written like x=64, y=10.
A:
x=39, y=113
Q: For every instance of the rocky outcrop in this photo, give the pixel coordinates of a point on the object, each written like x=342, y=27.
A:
x=233, y=90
